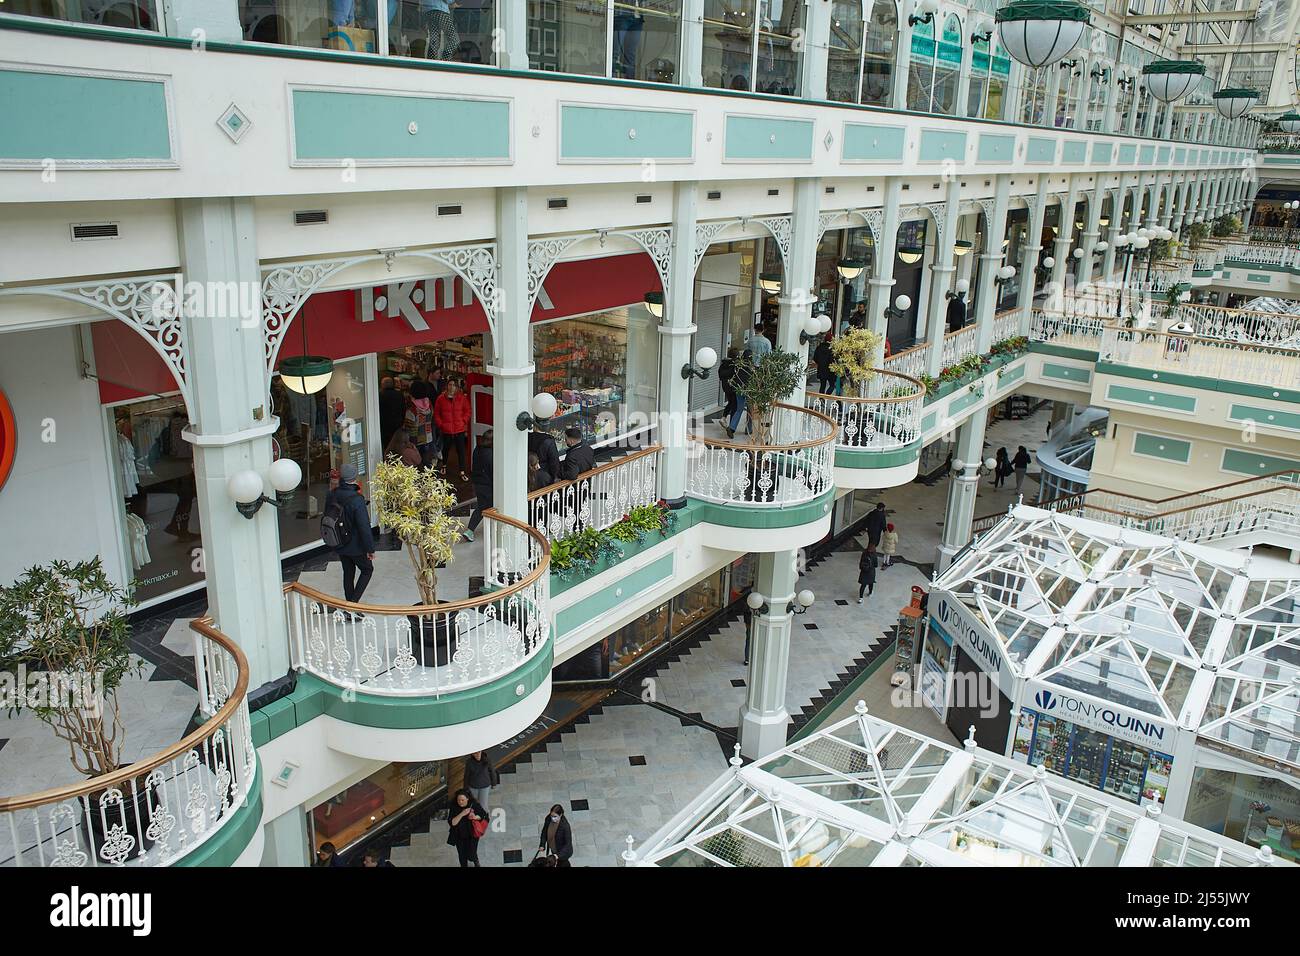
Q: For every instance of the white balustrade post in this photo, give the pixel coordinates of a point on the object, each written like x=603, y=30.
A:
x=1028, y=267
x=962, y=490
x=796, y=287
x=990, y=261
x=941, y=279
x=881, y=295
x=677, y=330
x=763, y=716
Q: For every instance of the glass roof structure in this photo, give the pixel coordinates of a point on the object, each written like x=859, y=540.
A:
x=865, y=792
x=1185, y=633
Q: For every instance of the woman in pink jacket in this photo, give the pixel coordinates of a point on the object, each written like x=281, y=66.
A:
x=451, y=414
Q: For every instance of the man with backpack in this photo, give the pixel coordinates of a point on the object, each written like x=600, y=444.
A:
x=345, y=527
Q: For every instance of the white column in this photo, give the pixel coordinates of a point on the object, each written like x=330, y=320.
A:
x=1110, y=119
x=676, y=331
x=881, y=294
x=796, y=286
x=1092, y=228
x=903, y=56
x=941, y=276
x=1065, y=237
x=1053, y=89
x=512, y=41
x=1029, y=264
x=763, y=716
x=286, y=840
x=962, y=490
x=817, y=31
x=692, y=72
x=512, y=368
x=230, y=429
x=990, y=261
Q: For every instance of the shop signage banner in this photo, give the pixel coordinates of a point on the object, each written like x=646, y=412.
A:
x=1085, y=710
x=974, y=638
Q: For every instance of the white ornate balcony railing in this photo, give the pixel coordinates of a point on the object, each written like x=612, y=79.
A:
x=1073, y=330
x=1205, y=260
x=911, y=362
x=1259, y=234
x=1275, y=257
x=958, y=345
x=1006, y=325
x=155, y=811
x=1269, y=504
x=598, y=499
x=1242, y=325
x=1279, y=143
x=884, y=415
x=1194, y=355
x=794, y=464
x=431, y=650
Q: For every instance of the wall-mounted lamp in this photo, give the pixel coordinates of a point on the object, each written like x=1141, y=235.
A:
x=1049, y=262
x=1077, y=253
x=983, y=31
x=1100, y=248
x=654, y=303
x=813, y=326
x=927, y=9
x=245, y=487
x=800, y=605
x=1098, y=74
x=962, y=287
x=1005, y=274
x=705, y=359
x=899, y=308
x=540, y=409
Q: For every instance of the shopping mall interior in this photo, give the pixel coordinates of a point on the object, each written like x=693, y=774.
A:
x=777, y=433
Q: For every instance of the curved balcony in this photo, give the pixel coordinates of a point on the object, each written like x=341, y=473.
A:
x=771, y=493
x=428, y=681
x=197, y=803
x=878, y=438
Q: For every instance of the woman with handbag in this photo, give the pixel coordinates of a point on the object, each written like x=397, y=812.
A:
x=557, y=839
x=467, y=821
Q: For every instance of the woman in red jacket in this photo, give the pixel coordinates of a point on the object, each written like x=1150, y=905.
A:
x=451, y=414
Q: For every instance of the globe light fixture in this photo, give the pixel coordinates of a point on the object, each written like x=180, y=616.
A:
x=1171, y=80
x=245, y=487
x=705, y=359
x=541, y=408
x=1039, y=33
x=1233, y=103
x=850, y=269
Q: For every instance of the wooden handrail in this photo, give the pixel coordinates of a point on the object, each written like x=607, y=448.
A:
x=588, y=475
x=832, y=426
x=463, y=604
x=209, y=728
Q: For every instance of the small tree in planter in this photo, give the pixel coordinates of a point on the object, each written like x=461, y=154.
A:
x=416, y=503
x=1226, y=226
x=855, y=356
x=1197, y=233
x=774, y=377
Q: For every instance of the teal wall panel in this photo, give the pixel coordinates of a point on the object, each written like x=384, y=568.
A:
x=1075, y=152
x=867, y=143
x=1242, y=462
x=330, y=126
x=940, y=144
x=997, y=148
x=1127, y=154
x=1040, y=150
x=1264, y=416
x=1160, y=446
x=1162, y=155
x=1142, y=396
x=84, y=118
x=600, y=133
x=762, y=138
x=1101, y=153
x=1147, y=156
x=1067, y=373
x=616, y=593
x=1180, y=155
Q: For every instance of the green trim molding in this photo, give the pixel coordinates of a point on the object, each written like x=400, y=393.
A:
x=866, y=458
x=224, y=847
x=748, y=515
x=1066, y=10
x=1067, y=373
x=617, y=592
x=1063, y=351
x=1195, y=381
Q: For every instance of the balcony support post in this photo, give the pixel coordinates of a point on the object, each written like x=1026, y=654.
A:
x=763, y=716
x=676, y=330
x=512, y=371
x=1065, y=237
x=962, y=489
x=881, y=295
x=995, y=231
x=941, y=275
x=796, y=288
x=1028, y=268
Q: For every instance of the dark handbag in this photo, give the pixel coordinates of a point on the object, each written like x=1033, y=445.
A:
x=539, y=860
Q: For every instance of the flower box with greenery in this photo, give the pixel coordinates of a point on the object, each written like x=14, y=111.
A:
x=771, y=379
x=416, y=504
x=1197, y=233
x=1225, y=226
x=854, y=354
x=590, y=551
x=71, y=619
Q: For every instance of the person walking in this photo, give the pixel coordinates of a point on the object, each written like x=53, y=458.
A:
x=557, y=838
x=467, y=821
x=480, y=777
x=867, y=565
x=579, y=459
x=876, y=522
x=740, y=377
x=1021, y=465
x=725, y=373
x=481, y=478
x=419, y=420
x=888, y=546
x=759, y=344
x=1002, y=468
x=392, y=409
x=823, y=357
x=345, y=527
x=451, y=414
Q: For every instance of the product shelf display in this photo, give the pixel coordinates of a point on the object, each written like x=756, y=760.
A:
x=1135, y=663
x=583, y=363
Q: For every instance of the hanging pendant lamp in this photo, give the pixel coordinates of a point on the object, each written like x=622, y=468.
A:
x=1039, y=33
x=1171, y=80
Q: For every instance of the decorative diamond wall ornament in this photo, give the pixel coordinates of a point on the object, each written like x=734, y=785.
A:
x=234, y=122
x=829, y=140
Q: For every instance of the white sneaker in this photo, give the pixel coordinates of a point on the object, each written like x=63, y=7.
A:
x=859, y=600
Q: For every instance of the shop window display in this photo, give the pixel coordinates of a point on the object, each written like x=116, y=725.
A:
x=348, y=816
x=155, y=469
x=583, y=363
x=697, y=603
x=135, y=14
x=1258, y=810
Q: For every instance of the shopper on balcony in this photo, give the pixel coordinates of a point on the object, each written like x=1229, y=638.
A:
x=725, y=372
x=557, y=838
x=451, y=414
x=548, y=455
x=481, y=478
x=467, y=821
x=824, y=357
x=356, y=553
x=538, y=477
x=759, y=344
x=744, y=369
x=579, y=459
x=1021, y=466
x=392, y=409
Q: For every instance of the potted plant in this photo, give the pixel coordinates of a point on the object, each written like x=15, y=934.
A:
x=769, y=380
x=854, y=354
x=416, y=504
x=1197, y=233
x=69, y=619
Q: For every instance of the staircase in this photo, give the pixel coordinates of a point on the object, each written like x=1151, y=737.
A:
x=1264, y=510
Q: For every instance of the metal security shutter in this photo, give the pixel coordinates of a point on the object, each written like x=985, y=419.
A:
x=710, y=321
